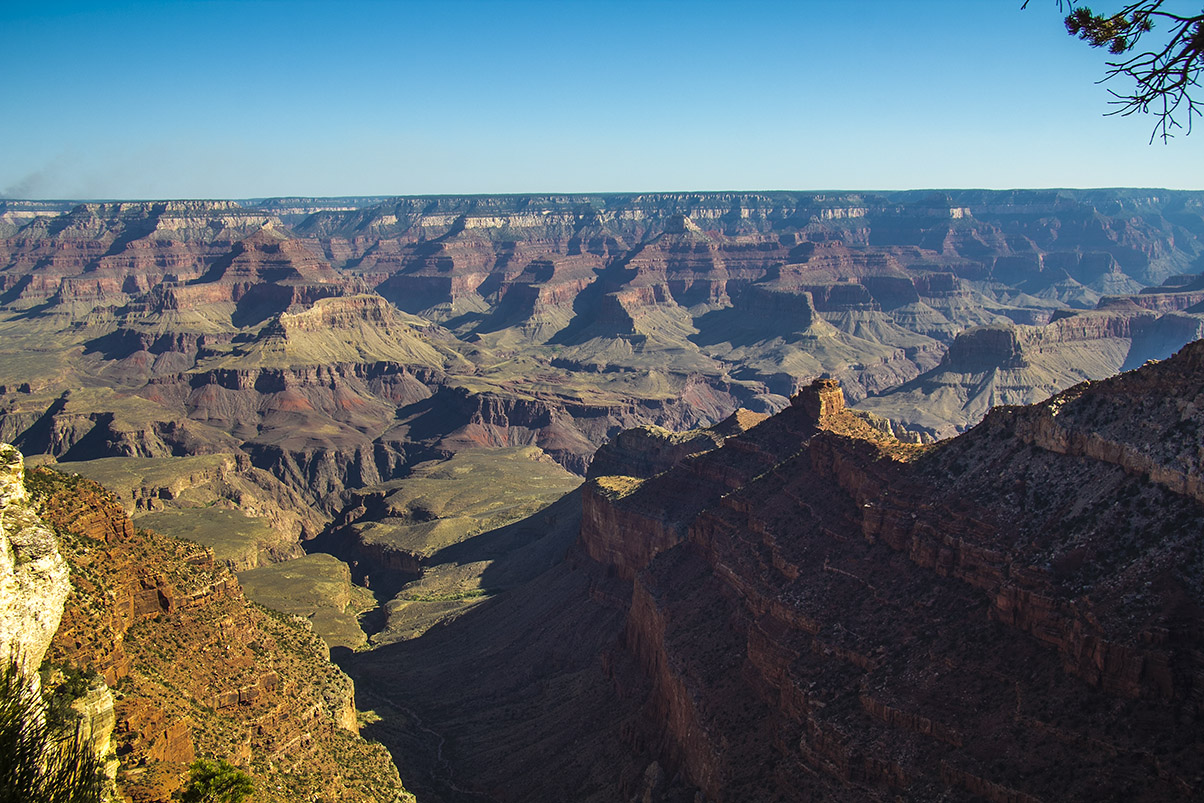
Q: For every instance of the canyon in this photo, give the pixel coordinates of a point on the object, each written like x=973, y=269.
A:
x=645, y=497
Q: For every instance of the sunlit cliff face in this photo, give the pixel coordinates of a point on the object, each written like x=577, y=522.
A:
x=33, y=575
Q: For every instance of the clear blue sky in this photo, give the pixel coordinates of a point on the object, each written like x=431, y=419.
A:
x=260, y=98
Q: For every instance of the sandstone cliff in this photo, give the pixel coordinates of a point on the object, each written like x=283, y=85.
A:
x=33, y=575
x=1057, y=610
x=34, y=588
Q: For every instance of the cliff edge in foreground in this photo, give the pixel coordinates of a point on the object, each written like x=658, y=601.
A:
x=33, y=575
x=197, y=670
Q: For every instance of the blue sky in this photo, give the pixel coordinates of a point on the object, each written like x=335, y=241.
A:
x=258, y=98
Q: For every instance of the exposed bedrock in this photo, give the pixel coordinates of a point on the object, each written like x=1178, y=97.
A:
x=106, y=253
x=1157, y=300
x=416, y=293
x=775, y=288
x=123, y=343
x=782, y=310
x=982, y=349
x=569, y=430
x=215, y=484
x=33, y=574
x=68, y=433
x=890, y=292
x=629, y=519
x=644, y=452
x=326, y=472
x=322, y=429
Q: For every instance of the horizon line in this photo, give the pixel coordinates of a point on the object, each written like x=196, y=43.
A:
x=584, y=193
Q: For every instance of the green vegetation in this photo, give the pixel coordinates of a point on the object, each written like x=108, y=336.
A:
x=41, y=483
x=72, y=683
x=448, y=597
x=125, y=475
x=617, y=486
x=1163, y=74
x=235, y=538
x=216, y=782
x=448, y=502
x=480, y=512
x=317, y=587
x=39, y=762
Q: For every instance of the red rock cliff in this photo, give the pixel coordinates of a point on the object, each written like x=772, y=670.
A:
x=200, y=671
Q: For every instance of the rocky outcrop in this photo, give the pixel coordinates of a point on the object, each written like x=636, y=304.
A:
x=1156, y=444
x=95, y=712
x=615, y=505
x=627, y=521
x=34, y=588
x=644, y=452
x=983, y=349
x=33, y=575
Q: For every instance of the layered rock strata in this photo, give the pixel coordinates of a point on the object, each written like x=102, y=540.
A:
x=1047, y=607
x=201, y=672
x=202, y=327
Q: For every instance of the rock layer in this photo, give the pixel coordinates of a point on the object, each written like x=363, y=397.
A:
x=201, y=671
x=33, y=575
x=202, y=327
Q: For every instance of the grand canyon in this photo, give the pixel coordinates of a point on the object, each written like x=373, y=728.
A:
x=615, y=497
